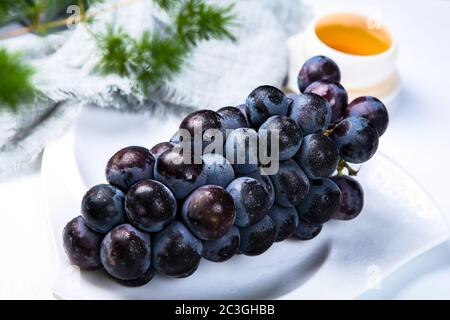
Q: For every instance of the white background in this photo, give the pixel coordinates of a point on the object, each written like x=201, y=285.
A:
x=418, y=139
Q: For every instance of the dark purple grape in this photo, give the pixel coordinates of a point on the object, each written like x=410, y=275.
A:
x=285, y=221
x=224, y=248
x=258, y=238
x=251, y=200
x=291, y=184
x=209, y=212
x=311, y=112
x=243, y=109
x=160, y=148
x=241, y=150
x=233, y=118
x=139, y=282
x=334, y=93
x=175, y=139
x=318, y=68
x=290, y=101
x=306, y=230
x=128, y=166
x=82, y=245
x=264, y=102
x=201, y=122
x=322, y=201
x=182, y=178
x=318, y=156
x=352, y=201
x=218, y=170
x=150, y=206
x=176, y=252
x=372, y=109
x=102, y=207
x=266, y=183
x=289, y=136
x=290, y=97
x=356, y=140
x=126, y=252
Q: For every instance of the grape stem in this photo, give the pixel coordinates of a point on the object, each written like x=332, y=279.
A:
x=344, y=165
x=329, y=131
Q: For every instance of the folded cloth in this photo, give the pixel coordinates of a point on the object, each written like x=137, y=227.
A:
x=217, y=73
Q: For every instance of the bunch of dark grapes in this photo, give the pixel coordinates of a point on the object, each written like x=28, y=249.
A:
x=159, y=214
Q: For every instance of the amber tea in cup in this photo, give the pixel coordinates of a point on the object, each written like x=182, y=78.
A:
x=353, y=34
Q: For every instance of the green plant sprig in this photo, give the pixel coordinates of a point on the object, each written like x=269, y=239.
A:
x=148, y=60
x=197, y=21
x=10, y=10
x=15, y=81
x=36, y=14
x=154, y=59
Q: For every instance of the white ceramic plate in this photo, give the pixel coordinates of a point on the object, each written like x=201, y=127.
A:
x=399, y=222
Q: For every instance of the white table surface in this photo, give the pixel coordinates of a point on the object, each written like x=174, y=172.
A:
x=418, y=139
